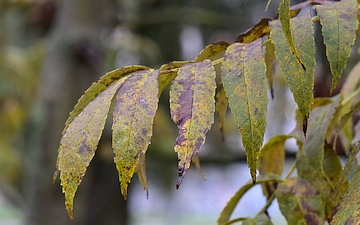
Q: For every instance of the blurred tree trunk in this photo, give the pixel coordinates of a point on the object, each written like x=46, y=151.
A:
x=74, y=60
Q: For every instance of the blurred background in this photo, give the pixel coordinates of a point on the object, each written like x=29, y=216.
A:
x=50, y=53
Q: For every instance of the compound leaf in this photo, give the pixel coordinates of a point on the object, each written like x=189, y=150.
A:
x=79, y=142
x=243, y=77
x=192, y=108
x=339, y=24
x=136, y=105
x=300, y=77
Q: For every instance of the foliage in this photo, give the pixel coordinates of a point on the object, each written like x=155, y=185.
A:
x=247, y=69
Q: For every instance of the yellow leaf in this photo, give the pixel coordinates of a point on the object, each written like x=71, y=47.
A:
x=134, y=112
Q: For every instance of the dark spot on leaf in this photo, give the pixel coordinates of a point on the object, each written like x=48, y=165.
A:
x=144, y=131
x=349, y=221
x=84, y=149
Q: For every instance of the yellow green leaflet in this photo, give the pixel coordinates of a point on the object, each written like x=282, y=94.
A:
x=339, y=24
x=79, y=142
x=243, y=77
x=192, y=108
x=96, y=88
x=349, y=212
x=136, y=105
x=300, y=202
x=300, y=79
x=211, y=51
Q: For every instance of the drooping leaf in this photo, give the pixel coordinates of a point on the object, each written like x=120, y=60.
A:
x=349, y=212
x=284, y=17
x=136, y=105
x=271, y=160
x=230, y=206
x=192, y=108
x=310, y=161
x=257, y=31
x=300, y=78
x=79, y=142
x=168, y=72
x=243, y=77
x=339, y=23
x=270, y=61
x=221, y=108
x=300, y=202
x=211, y=51
x=96, y=88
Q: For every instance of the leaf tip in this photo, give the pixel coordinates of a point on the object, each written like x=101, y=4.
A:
x=253, y=175
x=181, y=175
x=69, y=208
x=305, y=124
